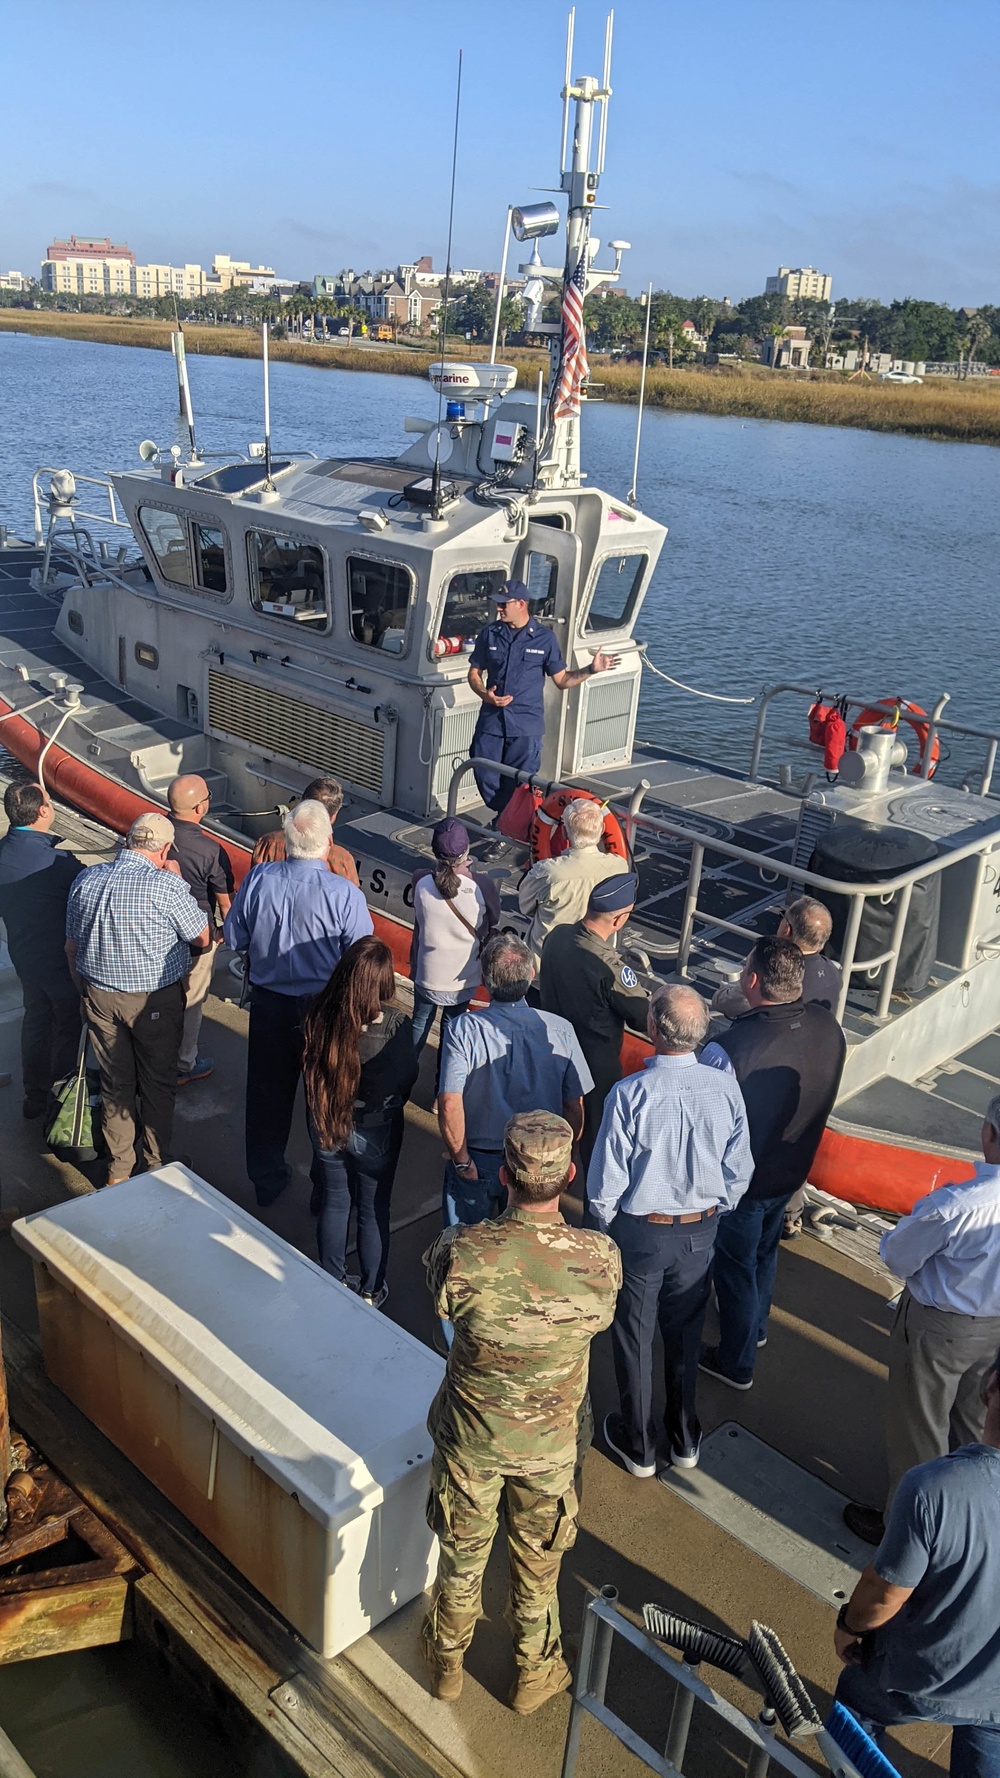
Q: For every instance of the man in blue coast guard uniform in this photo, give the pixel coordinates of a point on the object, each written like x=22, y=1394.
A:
x=507, y=670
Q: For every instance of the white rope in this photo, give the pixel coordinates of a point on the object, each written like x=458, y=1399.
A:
x=714, y=696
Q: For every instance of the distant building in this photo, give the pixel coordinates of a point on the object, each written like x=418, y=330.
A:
x=788, y=350
x=803, y=281
x=14, y=281
x=228, y=272
x=406, y=295
x=89, y=247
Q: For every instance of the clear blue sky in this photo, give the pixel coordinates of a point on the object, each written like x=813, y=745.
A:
x=863, y=137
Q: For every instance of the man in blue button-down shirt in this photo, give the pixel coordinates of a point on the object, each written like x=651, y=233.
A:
x=947, y=1325
x=495, y=1062
x=294, y=920
x=508, y=668
x=130, y=925
x=672, y=1152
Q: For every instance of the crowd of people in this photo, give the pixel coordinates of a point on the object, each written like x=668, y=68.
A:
x=689, y=1171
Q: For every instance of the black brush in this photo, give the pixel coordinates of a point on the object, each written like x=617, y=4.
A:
x=695, y=1641
x=792, y=1704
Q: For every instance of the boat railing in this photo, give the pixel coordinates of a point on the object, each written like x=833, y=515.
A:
x=898, y=889
x=40, y=503
x=938, y=724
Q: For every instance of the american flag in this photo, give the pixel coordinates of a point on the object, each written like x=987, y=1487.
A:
x=573, y=367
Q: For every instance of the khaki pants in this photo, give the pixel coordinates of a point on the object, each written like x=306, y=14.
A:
x=136, y=1039
x=463, y=1511
x=937, y=1362
x=197, y=987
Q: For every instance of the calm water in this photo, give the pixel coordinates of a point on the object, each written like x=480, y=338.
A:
x=850, y=560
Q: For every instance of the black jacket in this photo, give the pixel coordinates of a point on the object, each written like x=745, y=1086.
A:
x=788, y=1061
x=35, y=882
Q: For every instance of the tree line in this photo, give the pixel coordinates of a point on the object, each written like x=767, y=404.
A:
x=908, y=328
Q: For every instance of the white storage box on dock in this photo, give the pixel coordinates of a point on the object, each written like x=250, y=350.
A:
x=280, y=1413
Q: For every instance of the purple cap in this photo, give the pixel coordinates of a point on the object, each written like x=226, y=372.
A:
x=511, y=589
x=450, y=839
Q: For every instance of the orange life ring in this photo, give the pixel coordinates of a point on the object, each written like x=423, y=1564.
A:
x=548, y=836
x=911, y=713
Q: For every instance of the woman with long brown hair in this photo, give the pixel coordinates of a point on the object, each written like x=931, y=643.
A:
x=358, y=1068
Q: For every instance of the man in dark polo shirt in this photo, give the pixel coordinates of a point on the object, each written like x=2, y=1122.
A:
x=35, y=882
x=787, y=1057
x=206, y=870
x=920, y=1635
x=584, y=979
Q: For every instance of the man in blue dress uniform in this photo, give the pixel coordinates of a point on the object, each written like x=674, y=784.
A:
x=507, y=670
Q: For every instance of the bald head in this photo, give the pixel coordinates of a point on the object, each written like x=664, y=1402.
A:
x=188, y=798
x=678, y=1020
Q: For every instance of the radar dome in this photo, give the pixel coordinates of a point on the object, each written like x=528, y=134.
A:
x=464, y=377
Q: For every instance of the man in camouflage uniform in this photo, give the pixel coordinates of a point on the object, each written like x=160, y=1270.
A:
x=525, y=1295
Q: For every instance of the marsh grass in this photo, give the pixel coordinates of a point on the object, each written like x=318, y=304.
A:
x=939, y=409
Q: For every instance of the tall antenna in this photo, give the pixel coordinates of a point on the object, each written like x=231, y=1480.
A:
x=567, y=83
x=602, y=138
x=436, y=473
x=267, y=405
x=642, y=396
x=184, y=387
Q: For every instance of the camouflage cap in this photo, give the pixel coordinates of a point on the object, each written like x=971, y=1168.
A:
x=538, y=1148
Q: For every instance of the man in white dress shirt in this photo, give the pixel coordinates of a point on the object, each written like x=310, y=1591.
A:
x=947, y=1327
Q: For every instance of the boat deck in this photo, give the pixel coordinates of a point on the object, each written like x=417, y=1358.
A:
x=742, y=1540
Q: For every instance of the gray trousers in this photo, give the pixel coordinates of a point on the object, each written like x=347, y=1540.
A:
x=136, y=1039
x=937, y=1362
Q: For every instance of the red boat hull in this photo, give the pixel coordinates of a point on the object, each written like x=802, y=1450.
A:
x=864, y=1171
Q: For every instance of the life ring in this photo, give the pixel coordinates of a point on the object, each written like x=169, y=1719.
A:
x=548, y=836
x=884, y=719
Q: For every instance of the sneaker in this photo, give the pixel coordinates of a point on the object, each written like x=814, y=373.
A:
x=865, y=1521
x=685, y=1456
x=762, y=1342
x=791, y=1228
x=614, y=1438
x=378, y=1298
x=203, y=1067
x=532, y=1690
x=709, y=1363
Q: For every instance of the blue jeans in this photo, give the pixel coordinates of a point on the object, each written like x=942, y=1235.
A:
x=975, y=1747
x=523, y=752
x=474, y=1200
x=423, y=1020
x=359, y=1174
x=746, y=1259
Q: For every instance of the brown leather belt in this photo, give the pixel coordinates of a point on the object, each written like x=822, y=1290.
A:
x=695, y=1216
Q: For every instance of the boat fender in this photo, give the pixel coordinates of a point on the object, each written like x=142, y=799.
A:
x=917, y=718
x=548, y=835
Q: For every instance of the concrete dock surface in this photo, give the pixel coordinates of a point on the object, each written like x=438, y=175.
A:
x=817, y=1398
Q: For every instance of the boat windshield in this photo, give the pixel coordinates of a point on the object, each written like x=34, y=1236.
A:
x=381, y=594
x=612, y=603
x=468, y=607
x=287, y=578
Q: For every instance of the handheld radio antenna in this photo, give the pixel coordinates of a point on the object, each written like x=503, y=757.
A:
x=436, y=472
x=268, y=483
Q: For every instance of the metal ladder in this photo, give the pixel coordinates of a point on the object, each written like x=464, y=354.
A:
x=602, y=1622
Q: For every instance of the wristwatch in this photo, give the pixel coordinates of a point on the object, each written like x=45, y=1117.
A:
x=463, y=1166
x=842, y=1623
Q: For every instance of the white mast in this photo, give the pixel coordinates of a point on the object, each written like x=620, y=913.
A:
x=559, y=463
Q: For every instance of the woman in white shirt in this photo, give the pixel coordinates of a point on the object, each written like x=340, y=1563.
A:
x=454, y=911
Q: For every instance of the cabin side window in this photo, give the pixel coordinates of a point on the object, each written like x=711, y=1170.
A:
x=187, y=553
x=616, y=590
x=468, y=608
x=380, y=595
x=209, y=558
x=287, y=578
x=540, y=580
x=166, y=535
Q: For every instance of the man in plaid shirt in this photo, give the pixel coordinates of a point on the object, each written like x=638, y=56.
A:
x=130, y=925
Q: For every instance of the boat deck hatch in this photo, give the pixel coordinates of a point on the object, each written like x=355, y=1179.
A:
x=776, y=1508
